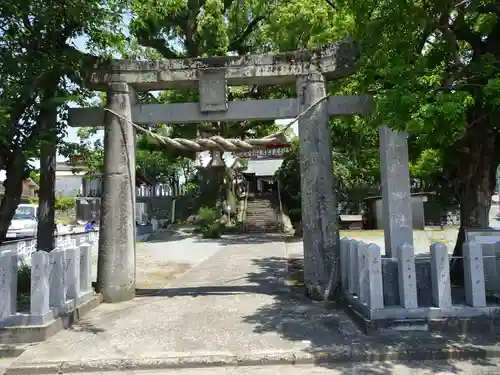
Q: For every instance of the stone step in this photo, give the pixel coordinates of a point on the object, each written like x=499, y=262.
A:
x=267, y=214
x=262, y=230
x=263, y=225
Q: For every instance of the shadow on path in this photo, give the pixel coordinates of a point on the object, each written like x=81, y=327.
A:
x=167, y=235
x=243, y=239
x=325, y=325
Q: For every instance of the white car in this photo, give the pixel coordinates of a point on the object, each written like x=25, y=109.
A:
x=24, y=222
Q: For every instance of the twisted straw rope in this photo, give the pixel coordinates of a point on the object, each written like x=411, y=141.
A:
x=216, y=142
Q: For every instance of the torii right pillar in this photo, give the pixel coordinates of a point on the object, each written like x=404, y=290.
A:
x=319, y=208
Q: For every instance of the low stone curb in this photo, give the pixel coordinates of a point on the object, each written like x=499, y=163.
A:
x=356, y=353
x=143, y=237
x=13, y=350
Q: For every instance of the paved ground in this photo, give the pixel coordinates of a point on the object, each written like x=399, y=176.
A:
x=384, y=368
x=233, y=307
x=5, y=363
x=166, y=255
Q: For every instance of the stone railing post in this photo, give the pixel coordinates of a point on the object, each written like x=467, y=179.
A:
x=72, y=279
x=375, y=292
x=396, y=198
x=57, y=279
x=491, y=264
x=363, y=271
x=40, y=284
x=475, y=294
x=6, y=292
x=344, y=262
x=407, y=277
x=15, y=264
x=116, y=266
x=319, y=221
x=440, y=276
x=85, y=269
x=353, y=267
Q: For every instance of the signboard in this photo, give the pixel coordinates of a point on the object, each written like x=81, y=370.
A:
x=263, y=153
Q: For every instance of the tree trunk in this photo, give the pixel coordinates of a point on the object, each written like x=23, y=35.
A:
x=46, y=214
x=13, y=190
x=474, y=185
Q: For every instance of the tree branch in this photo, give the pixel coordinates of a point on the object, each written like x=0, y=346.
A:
x=463, y=32
x=237, y=45
x=493, y=8
x=330, y=2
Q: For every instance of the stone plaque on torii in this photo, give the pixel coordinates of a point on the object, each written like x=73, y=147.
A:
x=307, y=69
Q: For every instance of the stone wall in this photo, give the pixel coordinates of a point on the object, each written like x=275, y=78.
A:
x=156, y=206
x=60, y=280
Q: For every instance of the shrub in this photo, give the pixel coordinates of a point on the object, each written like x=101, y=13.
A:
x=213, y=230
x=65, y=203
x=24, y=279
x=206, y=215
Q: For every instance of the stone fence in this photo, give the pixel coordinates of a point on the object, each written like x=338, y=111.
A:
x=60, y=280
x=25, y=248
x=409, y=287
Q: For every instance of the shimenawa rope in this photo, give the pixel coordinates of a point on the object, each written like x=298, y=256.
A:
x=217, y=142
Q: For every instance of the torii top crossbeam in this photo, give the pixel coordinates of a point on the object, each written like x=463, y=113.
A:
x=333, y=61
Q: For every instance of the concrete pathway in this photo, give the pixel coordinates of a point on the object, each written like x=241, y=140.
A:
x=233, y=308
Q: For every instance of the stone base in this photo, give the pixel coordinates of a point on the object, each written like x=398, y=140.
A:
x=460, y=319
x=84, y=297
x=27, y=319
x=37, y=333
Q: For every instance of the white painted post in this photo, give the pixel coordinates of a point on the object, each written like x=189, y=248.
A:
x=440, y=276
x=353, y=267
x=6, y=295
x=40, y=285
x=375, y=292
x=57, y=278
x=344, y=262
x=363, y=272
x=407, y=277
x=91, y=237
x=21, y=251
x=475, y=294
x=154, y=224
x=85, y=268
x=72, y=278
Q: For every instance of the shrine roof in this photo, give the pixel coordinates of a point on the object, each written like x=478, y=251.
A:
x=263, y=167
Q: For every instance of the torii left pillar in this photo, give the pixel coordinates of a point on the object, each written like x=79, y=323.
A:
x=116, y=266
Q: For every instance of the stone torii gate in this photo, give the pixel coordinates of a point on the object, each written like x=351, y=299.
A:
x=307, y=69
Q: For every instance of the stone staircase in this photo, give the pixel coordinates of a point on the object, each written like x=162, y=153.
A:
x=261, y=216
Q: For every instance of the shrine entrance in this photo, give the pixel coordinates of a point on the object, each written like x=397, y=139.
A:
x=123, y=116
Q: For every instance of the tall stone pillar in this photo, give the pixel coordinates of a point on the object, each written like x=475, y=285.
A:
x=319, y=208
x=116, y=266
x=396, y=198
